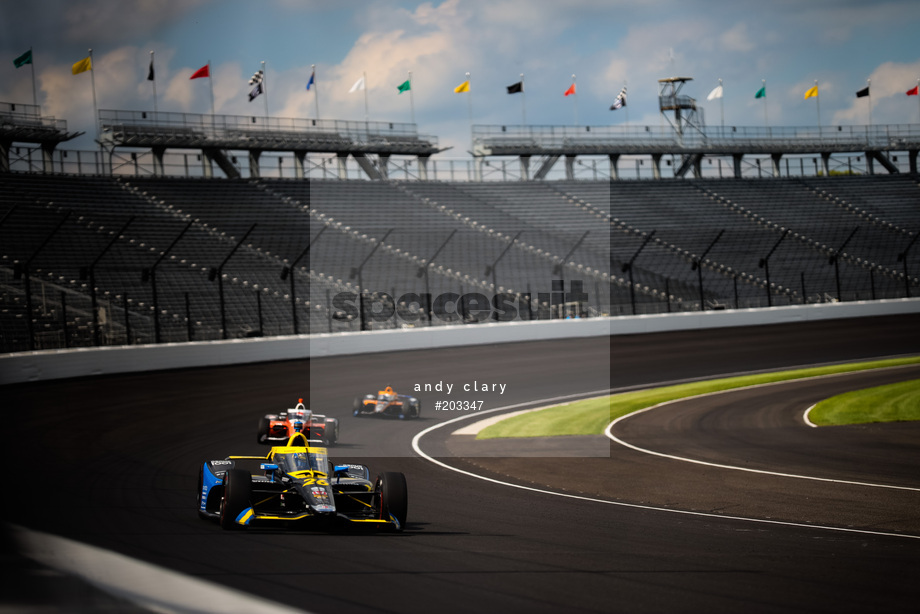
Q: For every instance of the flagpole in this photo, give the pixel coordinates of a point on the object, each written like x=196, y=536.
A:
x=869, y=87
x=411, y=99
x=154, y=84
x=626, y=106
x=575, y=100
x=469, y=101
x=722, y=104
x=92, y=74
x=32, y=66
x=367, y=115
x=265, y=89
x=818, y=106
x=211, y=87
x=315, y=89
x=523, y=101
x=766, y=124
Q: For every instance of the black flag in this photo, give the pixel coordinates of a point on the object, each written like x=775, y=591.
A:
x=863, y=92
x=517, y=88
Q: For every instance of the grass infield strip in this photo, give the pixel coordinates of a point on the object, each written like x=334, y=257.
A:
x=891, y=403
x=591, y=417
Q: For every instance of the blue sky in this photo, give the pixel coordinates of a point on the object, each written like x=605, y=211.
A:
x=790, y=43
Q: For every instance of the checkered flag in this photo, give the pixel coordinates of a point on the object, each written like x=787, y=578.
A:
x=620, y=100
x=257, y=78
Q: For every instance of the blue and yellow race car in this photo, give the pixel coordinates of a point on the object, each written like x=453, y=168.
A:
x=298, y=482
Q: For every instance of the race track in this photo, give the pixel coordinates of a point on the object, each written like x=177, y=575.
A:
x=112, y=462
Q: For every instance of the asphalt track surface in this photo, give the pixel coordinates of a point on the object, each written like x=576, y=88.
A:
x=112, y=462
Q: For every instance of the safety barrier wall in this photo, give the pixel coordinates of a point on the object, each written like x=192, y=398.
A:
x=58, y=364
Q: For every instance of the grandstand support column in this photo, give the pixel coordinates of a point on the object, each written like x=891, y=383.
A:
x=880, y=157
x=254, y=170
x=341, y=159
x=698, y=166
x=5, y=156
x=48, y=157
x=736, y=164
x=570, y=167
x=383, y=161
x=299, y=159
x=911, y=158
x=477, y=168
x=159, y=170
x=776, y=157
x=826, y=163
x=207, y=164
x=656, y=165
x=525, y=168
x=423, y=168
x=614, y=160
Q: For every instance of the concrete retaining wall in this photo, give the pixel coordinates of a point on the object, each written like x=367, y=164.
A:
x=56, y=364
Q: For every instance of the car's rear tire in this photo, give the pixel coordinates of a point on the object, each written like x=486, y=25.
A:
x=237, y=492
x=264, y=424
x=395, y=497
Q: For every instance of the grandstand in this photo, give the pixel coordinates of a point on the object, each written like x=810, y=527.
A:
x=105, y=258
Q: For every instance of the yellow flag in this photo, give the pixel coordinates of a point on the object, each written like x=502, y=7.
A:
x=811, y=93
x=82, y=66
x=463, y=87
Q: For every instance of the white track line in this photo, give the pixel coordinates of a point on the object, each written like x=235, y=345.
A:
x=807, y=419
x=418, y=450
x=147, y=585
x=609, y=433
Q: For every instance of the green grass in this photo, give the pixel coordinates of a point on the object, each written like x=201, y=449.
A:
x=591, y=417
x=891, y=403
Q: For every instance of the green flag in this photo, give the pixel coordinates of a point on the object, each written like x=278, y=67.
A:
x=25, y=58
x=404, y=87
x=761, y=93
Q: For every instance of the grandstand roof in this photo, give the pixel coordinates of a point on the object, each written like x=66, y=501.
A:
x=236, y=132
x=24, y=123
x=717, y=140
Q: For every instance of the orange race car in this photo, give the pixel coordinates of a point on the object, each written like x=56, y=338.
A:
x=387, y=403
x=275, y=429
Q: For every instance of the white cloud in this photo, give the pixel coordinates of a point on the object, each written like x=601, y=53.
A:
x=105, y=21
x=888, y=86
x=68, y=96
x=179, y=90
x=737, y=39
x=387, y=56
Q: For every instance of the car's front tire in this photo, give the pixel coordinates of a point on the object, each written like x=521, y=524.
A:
x=331, y=431
x=237, y=492
x=394, y=497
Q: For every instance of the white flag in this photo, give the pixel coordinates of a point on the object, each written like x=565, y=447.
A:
x=716, y=93
x=359, y=85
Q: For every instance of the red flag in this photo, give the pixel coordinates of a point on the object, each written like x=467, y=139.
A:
x=204, y=71
x=571, y=90
x=914, y=92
